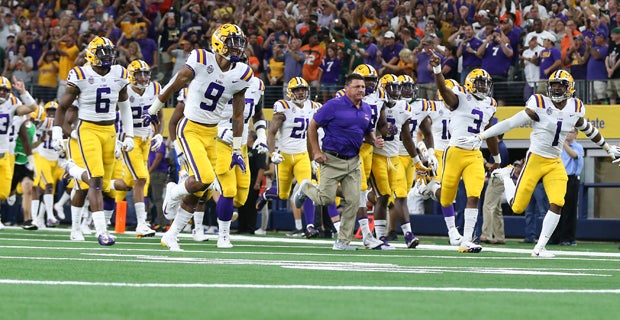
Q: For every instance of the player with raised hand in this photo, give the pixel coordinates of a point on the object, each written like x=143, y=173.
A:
x=552, y=116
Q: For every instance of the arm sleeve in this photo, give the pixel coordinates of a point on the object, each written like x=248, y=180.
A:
x=126, y=118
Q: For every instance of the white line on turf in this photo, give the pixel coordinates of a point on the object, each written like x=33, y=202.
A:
x=301, y=287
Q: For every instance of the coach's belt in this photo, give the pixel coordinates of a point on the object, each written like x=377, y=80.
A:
x=339, y=155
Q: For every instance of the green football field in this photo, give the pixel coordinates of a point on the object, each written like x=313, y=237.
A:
x=46, y=276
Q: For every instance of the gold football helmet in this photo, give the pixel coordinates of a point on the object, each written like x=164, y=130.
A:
x=391, y=85
x=38, y=115
x=101, y=52
x=370, y=76
x=50, y=105
x=229, y=42
x=298, y=96
x=139, y=74
x=479, y=83
x=5, y=89
x=563, y=92
x=409, y=89
x=451, y=84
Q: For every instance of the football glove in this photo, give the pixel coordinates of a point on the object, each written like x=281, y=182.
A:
x=276, y=157
x=237, y=160
x=156, y=142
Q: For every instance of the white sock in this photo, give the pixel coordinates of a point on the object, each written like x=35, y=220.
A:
x=297, y=224
x=198, y=218
x=76, y=218
x=224, y=227
x=99, y=221
x=41, y=212
x=34, y=209
x=363, y=222
x=450, y=222
x=63, y=199
x=337, y=225
x=548, y=226
x=108, y=216
x=406, y=227
x=48, y=200
x=140, y=213
x=509, y=190
x=380, y=226
x=179, y=222
x=471, y=216
x=178, y=191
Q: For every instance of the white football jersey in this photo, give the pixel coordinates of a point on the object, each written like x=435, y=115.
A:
x=45, y=148
x=140, y=103
x=549, y=132
x=292, y=135
x=98, y=94
x=396, y=116
x=211, y=91
x=8, y=131
x=182, y=95
x=253, y=96
x=419, y=111
x=375, y=100
x=470, y=117
x=440, y=117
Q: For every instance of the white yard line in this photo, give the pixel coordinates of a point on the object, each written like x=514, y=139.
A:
x=299, y=287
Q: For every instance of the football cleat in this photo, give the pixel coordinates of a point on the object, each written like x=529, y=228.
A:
x=105, y=239
x=386, y=245
x=299, y=196
x=311, y=232
x=469, y=247
x=223, y=242
x=455, y=237
x=260, y=232
x=542, y=253
x=144, y=231
x=170, y=242
x=52, y=221
x=295, y=233
x=341, y=246
x=199, y=234
x=371, y=242
x=76, y=236
x=411, y=241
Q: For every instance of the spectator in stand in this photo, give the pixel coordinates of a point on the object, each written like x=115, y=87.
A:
x=537, y=9
x=10, y=50
x=275, y=71
x=68, y=51
x=314, y=55
x=404, y=66
x=34, y=47
x=329, y=73
x=558, y=10
x=531, y=67
x=402, y=16
x=170, y=35
x=594, y=25
x=294, y=60
x=391, y=50
x=8, y=27
x=131, y=20
x=550, y=60
x=449, y=66
x=367, y=50
x=408, y=41
x=21, y=65
x=467, y=46
x=179, y=52
x=149, y=50
x=576, y=59
x=539, y=32
x=514, y=34
x=568, y=40
x=612, y=63
x=496, y=55
x=129, y=52
x=421, y=58
x=595, y=55
x=47, y=81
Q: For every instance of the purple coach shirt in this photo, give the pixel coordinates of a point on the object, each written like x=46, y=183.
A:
x=344, y=125
x=494, y=61
x=596, y=68
x=547, y=58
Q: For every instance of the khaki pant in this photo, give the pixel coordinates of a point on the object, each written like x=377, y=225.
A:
x=493, y=220
x=347, y=173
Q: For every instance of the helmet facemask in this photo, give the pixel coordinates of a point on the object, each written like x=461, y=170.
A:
x=300, y=94
x=235, y=47
x=4, y=94
x=371, y=84
x=393, y=90
x=483, y=87
x=141, y=78
x=557, y=90
x=409, y=91
x=106, y=55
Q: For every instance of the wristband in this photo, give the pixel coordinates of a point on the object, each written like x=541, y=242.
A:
x=27, y=99
x=416, y=159
x=236, y=143
x=421, y=146
x=156, y=106
x=497, y=158
x=437, y=69
x=260, y=124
